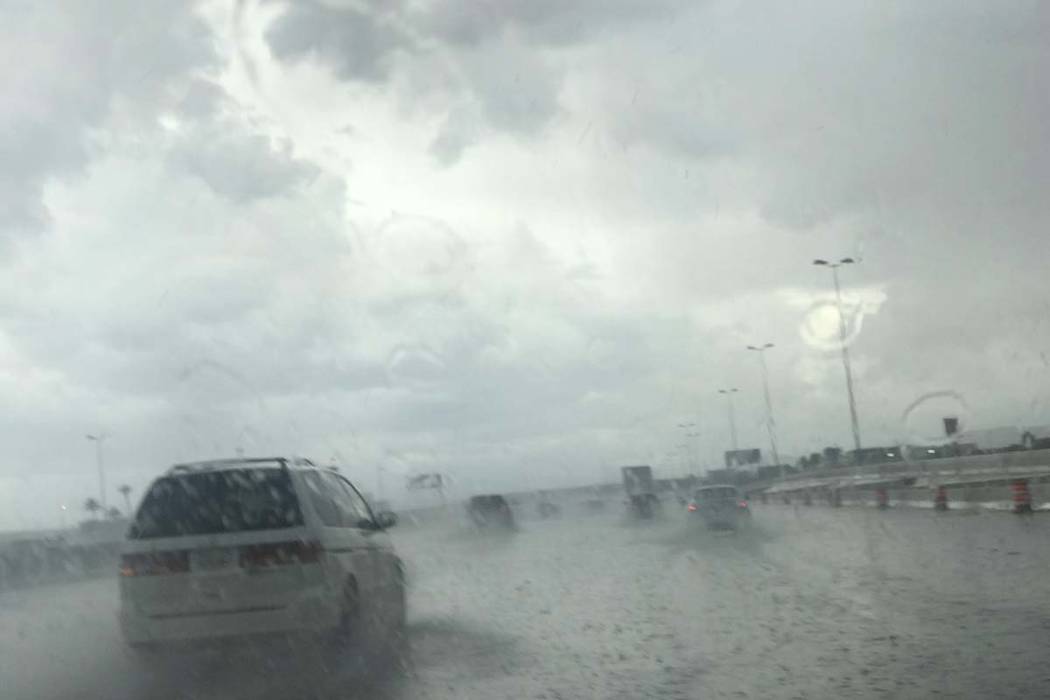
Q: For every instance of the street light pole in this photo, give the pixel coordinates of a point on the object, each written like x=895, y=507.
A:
x=854, y=423
x=770, y=425
x=693, y=436
x=97, y=439
x=695, y=457
x=684, y=459
x=732, y=417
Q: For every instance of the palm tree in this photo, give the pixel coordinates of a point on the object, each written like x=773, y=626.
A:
x=125, y=491
x=92, y=506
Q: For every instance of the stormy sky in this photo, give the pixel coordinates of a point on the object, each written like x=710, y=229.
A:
x=517, y=242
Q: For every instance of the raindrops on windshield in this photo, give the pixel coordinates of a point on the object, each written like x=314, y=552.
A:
x=923, y=421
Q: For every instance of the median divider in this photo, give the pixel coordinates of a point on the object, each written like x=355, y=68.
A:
x=882, y=498
x=940, y=498
x=1022, y=497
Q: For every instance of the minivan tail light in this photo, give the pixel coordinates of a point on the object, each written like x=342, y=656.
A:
x=742, y=504
x=691, y=507
x=260, y=556
x=155, y=563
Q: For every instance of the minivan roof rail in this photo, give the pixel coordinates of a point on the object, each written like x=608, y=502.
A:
x=210, y=464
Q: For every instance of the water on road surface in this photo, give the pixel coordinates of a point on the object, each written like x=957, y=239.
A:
x=810, y=602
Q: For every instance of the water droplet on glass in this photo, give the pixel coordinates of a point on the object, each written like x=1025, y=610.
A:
x=923, y=421
x=414, y=365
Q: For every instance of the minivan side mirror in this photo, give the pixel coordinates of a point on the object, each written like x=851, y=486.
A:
x=386, y=519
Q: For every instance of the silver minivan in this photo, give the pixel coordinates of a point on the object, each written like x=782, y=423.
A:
x=257, y=546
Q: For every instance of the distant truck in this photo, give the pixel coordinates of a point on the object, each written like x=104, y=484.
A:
x=641, y=490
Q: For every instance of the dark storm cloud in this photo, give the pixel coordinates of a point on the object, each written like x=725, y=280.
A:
x=356, y=43
x=490, y=53
x=550, y=22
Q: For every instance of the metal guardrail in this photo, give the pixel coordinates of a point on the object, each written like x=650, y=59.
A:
x=1003, y=465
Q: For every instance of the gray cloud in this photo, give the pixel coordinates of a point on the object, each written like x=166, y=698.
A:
x=238, y=164
x=547, y=22
x=488, y=54
x=843, y=111
x=356, y=43
x=66, y=64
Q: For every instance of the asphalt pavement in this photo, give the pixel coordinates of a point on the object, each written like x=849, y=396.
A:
x=807, y=603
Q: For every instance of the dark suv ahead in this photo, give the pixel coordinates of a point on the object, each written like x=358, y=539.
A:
x=491, y=511
x=720, y=507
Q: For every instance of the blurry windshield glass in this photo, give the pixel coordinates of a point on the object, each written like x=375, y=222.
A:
x=234, y=500
x=716, y=494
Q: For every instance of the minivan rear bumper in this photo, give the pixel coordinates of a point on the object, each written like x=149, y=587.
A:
x=313, y=613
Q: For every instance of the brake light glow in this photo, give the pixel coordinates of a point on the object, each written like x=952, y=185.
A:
x=742, y=504
x=261, y=556
x=155, y=563
x=691, y=507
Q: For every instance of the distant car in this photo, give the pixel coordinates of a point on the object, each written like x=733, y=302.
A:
x=490, y=511
x=258, y=546
x=594, y=505
x=644, y=505
x=548, y=509
x=719, y=507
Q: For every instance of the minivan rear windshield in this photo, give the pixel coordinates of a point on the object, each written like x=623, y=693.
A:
x=207, y=503
x=716, y=494
x=487, y=502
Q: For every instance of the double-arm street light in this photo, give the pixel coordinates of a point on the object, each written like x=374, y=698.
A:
x=770, y=425
x=693, y=436
x=854, y=424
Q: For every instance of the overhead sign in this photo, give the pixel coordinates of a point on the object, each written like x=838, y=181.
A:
x=742, y=458
x=425, y=481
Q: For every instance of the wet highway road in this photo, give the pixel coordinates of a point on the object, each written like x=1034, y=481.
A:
x=811, y=602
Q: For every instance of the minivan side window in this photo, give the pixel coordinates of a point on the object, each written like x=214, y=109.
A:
x=323, y=499
x=360, y=504
x=352, y=507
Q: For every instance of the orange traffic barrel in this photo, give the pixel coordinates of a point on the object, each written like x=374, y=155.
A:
x=882, y=498
x=1022, y=496
x=940, y=498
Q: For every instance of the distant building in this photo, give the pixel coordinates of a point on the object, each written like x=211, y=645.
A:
x=1028, y=437
x=874, y=455
x=743, y=458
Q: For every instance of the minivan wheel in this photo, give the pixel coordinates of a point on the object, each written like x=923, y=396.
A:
x=397, y=624
x=401, y=603
x=391, y=650
x=350, y=634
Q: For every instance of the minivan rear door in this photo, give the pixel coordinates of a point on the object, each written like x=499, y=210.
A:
x=718, y=503
x=226, y=540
